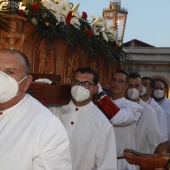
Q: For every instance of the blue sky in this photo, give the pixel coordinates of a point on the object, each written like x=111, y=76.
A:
x=147, y=20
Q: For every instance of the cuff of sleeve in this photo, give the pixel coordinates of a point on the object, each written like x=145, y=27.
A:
x=101, y=95
x=108, y=107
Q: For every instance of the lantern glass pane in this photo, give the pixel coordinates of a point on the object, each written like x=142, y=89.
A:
x=121, y=25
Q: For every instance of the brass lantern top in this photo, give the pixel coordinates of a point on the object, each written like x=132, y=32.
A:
x=115, y=17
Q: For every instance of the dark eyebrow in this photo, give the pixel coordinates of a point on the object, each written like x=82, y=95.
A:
x=14, y=70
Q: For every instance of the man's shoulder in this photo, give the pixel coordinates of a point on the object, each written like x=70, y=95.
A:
x=155, y=105
x=148, y=109
x=99, y=114
x=166, y=105
x=37, y=114
x=130, y=103
x=167, y=101
x=58, y=110
x=35, y=108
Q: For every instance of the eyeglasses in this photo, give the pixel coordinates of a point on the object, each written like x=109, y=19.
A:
x=85, y=84
x=119, y=81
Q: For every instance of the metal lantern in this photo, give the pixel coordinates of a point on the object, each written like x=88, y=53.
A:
x=115, y=17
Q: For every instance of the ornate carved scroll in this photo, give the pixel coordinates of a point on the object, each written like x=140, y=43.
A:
x=46, y=59
x=94, y=64
x=72, y=64
x=108, y=72
x=13, y=39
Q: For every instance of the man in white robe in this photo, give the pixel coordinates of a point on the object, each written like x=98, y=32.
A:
x=149, y=85
x=123, y=114
x=31, y=137
x=147, y=130
x=92, y=138
x=163, y=101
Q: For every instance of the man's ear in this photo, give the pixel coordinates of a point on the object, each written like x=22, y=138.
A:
x=126, y=86
x=151, y=89
x=141, y=87
x=96, y=87
x=28, y=83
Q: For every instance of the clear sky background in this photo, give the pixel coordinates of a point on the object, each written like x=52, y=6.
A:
x=147, y=20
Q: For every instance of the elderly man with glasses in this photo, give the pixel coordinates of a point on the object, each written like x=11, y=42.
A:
x=92, y=138
x=122, y=113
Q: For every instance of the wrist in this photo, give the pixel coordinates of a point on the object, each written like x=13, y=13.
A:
x=101, y=95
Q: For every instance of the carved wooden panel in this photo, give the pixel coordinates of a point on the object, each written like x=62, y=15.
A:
x=44, y=57
x=108, y=72
x=72, y=62
x=93, y=63
x=14, y=39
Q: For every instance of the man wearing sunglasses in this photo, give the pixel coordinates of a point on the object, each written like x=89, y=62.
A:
x=92, y=139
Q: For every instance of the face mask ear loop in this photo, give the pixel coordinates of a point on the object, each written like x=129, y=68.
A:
x=20, y=82
x=22, y=79
x=91, y=90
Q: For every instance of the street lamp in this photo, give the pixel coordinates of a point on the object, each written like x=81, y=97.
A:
x=115, y=17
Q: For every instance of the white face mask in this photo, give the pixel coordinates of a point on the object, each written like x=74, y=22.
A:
x=8, y=87
x=79, y=93
x=133, y=94
x=142, y=91
x=158, y=93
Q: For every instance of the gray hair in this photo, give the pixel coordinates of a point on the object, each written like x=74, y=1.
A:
x=10, y=51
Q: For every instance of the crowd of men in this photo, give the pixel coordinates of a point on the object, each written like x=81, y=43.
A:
x=79, y=135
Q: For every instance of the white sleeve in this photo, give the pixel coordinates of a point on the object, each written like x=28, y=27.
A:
x=153, y=130
x=51, y=151
x=106, y=155
x=163, y=124
x=55, y=111
x=127, y=115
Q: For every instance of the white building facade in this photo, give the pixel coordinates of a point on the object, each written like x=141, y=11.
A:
x=150, y=61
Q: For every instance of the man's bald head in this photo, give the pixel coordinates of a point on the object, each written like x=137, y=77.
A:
x=10, y=51
x=159, y=85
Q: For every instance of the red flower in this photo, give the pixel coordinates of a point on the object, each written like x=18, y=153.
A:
x=21, y=13
x=89, y=33
x=84, y=15
x=36, y=6
x=68, y=18
x=115, y=47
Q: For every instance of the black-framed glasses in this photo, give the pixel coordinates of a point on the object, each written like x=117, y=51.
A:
x=85, y=84
x=119, y=81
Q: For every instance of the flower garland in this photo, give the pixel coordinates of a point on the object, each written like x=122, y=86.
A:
x=61, y=19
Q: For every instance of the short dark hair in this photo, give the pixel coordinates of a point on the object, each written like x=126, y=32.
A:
x=10, y=51
x=123, y=72
x=90, y=71
x=152, y=81
x=134, y=75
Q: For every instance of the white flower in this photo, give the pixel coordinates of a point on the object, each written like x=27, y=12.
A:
x=48, y=4
x=98, y=24
x=99, y=21
x=59, y=18
x=59, y=8
x=105, y=36
x=65, y=7
x=96, y=31
x=93, y=17
x=75, y=22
